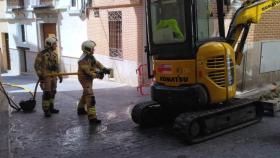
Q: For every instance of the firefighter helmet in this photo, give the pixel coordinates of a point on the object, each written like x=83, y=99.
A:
x=88, y=46
x=50, y=41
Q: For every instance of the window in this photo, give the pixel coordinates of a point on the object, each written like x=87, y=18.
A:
x=73, y=3
x=115, y=34
x=15, y=3
x=75, y=7
x=22, y=31
x=168, y=21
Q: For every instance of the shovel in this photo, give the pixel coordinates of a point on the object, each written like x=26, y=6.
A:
x=30, y=104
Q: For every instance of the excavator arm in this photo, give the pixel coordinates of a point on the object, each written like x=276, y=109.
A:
x=250, y=12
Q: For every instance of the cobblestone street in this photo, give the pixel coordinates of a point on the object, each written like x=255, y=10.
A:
x=67, y=135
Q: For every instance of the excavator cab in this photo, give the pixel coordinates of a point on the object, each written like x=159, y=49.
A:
x=193, y=65
x=177, y=58
x=182, y=24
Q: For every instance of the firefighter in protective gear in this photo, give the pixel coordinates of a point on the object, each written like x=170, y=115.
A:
x=46, y=63
x=88, y=69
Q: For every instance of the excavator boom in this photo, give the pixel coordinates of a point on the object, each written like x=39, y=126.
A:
x=250, y=12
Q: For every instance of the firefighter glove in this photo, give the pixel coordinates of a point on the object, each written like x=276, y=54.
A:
x=60, y=79
x=99, y=75
x=106, y=70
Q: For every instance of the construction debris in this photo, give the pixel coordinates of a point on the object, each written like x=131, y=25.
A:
x=271, y=100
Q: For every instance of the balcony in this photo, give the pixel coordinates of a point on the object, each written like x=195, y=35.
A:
x=42, y=4
x=15, y=4
x=115, y=3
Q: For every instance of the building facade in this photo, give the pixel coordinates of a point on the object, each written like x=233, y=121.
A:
x=261, y=64
x=118, y=29
x=30, y=22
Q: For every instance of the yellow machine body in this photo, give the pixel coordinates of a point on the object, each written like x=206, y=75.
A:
x=214, y=68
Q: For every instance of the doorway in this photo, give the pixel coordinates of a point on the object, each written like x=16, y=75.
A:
x=49, y=30
x=23, y=59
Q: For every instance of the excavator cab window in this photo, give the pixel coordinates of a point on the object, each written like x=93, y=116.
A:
x=169, y=29
x=176, y=27
x=168, y=21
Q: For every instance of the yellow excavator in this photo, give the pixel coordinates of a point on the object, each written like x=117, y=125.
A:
x=193, y=65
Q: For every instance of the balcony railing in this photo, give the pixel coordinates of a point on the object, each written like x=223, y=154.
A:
x=43, y=3
x=15, y=4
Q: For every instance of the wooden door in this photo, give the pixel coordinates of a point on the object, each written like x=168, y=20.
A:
x=49, y=30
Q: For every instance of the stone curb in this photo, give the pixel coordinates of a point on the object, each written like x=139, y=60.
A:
x=4, y=127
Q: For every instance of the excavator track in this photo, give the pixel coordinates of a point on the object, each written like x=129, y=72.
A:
x=196, y=127
x=146, y=113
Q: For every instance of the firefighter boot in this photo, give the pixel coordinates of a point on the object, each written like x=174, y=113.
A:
x=92, y=111
x=81, y=106
x=81, y=111
x=47, y=113
x=94, y=121
x=92, y=116
x=46, y=108
x=52, y=109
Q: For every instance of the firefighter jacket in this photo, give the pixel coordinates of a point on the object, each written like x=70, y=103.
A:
x=88, y=67
x=46, y=63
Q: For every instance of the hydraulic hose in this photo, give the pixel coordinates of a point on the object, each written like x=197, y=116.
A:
x=10, y=100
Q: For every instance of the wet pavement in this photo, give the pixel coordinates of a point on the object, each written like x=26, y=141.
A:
x=66, y=135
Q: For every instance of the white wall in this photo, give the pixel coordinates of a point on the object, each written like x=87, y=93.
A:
x=31, y=36
x=62, y=4
x=14, y=54
x=124, y=70
x=15, y=41
x=12, y=30
x=73, y=31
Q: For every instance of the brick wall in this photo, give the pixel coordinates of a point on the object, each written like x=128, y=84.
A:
x=268, y=28
x=132, y=37
x=132, y=31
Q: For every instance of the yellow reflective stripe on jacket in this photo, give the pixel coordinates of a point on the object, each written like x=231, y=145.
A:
x=91, y=110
